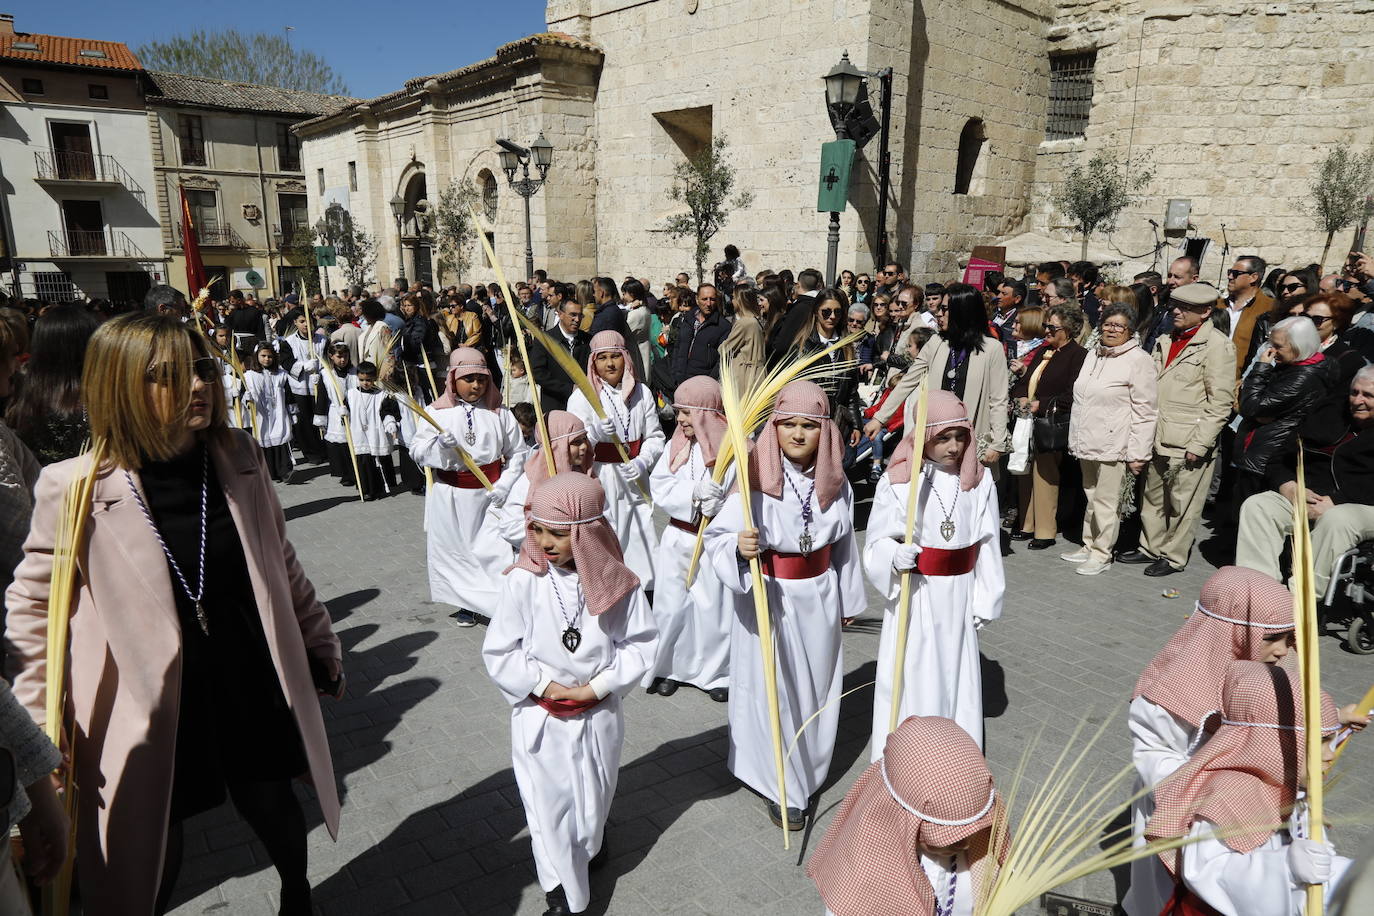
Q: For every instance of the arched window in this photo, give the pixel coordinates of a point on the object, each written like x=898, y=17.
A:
x=971, y=140
x=486, y=184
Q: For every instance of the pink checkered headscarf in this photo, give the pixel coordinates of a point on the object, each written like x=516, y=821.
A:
x=467, y=361
x=576, y=502
x=563, y=428
x=1236, y=609
x=700, y=397
x=930, y=790
x=943, y=411
x=611, y=341
x=1244, y=780
x=800, y=399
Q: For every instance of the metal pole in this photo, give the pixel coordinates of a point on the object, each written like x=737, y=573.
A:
x=884, y=164
x=832, y=248
x=400, y=252
x=529, y=242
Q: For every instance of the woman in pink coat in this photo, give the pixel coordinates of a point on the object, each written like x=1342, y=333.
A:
x=197, y=643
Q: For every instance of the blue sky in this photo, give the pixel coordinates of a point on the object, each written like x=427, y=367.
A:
x=374, y=46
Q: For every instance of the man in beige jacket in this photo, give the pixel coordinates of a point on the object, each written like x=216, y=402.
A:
x=1196, y=365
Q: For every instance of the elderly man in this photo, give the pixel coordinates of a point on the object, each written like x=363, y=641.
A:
x=1196, y=366
x=1338, y=451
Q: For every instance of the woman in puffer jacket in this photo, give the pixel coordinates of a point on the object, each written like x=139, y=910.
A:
x=1289, y=378
x=1111, y=430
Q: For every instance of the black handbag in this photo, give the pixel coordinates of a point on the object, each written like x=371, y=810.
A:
x=1050, y=433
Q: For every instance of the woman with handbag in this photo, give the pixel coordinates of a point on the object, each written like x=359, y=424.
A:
x=1045, y=392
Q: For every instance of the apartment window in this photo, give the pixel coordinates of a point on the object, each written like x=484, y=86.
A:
x=204, y=210
x=98, y=91
x=288, y=149
x=319, y=178
x=191, y=133
x=1071, y=95
x=353, y=176
x=32, y=86
x=293, y=213
x=53, y=286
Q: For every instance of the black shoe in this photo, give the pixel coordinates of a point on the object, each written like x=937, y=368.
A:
x=668, y=687
x=602, y=856
x=654, y=685
x=1020, y=535
x=295, y=902
x=1135, y=556
x=1041, y=543
x=557, y=902
x=1161, y=567
x=719, y=694
x=796, y=817
x=349, y=484
x=465, y=618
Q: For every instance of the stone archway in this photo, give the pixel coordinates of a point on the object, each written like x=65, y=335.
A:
x=416, y=226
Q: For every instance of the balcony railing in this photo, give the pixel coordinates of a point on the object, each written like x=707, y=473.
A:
x=93, y=243
x=76, y=166
x=215, y=237
x=280, y=238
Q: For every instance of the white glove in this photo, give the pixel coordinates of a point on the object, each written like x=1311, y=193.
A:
x=319, y=421
x=235, y=386
x=498, y=499
x=604, y=429
x=311, y=365
x=448, y=440
x=979, y=622
x=710, y=508
x=343, y=413
x=707, y=489
x=628, y=471
x=905, y=557
x=1310, y=861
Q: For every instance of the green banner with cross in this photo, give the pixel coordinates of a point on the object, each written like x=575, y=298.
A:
x=837, y=158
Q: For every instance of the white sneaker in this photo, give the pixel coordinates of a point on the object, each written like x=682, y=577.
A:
x=1094, y=567
x=1076, y=556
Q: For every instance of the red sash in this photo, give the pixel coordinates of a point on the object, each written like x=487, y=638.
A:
x=1185, y=903
x=466, y=480
x=564, y=709
x=936, y=561
x=606, y=453
x=679, y=524
x=794, y=565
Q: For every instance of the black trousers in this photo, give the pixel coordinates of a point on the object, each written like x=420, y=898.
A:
x=412, y=476
x=340, y=464
x=303, y=431
x=377, y=475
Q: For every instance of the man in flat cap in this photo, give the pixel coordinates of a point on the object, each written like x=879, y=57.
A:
x=1196, y=365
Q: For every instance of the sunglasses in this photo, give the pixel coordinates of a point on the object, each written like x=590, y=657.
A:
x=1237, y=273
x=855, y=322
x=886, y=273
x=1318, y=320
x=206, y=369
x=1053, y=329
x=861, y=282
x=828, y=313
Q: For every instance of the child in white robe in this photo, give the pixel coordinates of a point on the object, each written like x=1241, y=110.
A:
x=631, y=417
x=300, y=357
x=337, y=378
x=375, y=420
x=465, y=550
x=266, y=388
x=915, y=833
x=572, y=451
x=803, y=533
x=1239, y=799
x=236, y=411
x=956, y=562
x=693, y=623
x=574, y=634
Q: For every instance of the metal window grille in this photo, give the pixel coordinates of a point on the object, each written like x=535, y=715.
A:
x=53, y=286
x=1071, y=95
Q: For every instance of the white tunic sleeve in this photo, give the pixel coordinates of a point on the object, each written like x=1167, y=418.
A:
x=989, y=580
x=1255, y=883
x=636, y=642
x=511, y=516
x=1159, y=741
x=506, y=648
x=721, y=547
x=513, y=451
x=580, y=407
x=886, y=524
x=844, y=559
x=652, y=440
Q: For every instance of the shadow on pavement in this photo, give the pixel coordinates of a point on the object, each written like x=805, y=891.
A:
x=315, y=505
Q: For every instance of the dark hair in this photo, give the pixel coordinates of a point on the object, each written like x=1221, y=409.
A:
x=808, y=327
x=1144, y=306
x=932, y=289
x=367, y=368
x=732, y=252
x=1071, y=319
x=1254, y=263
x=897, y=264
x=1085, y=271
x=276, y=358
x=967, y=320
x=810, y=280
x=163, y=296
x=606, y=286
x=50, y=381
x=1018, y=289
x=1311, y=283
x=524, y=414
x=372, y=310
x=541, y=274
x=1120, y=308
x=634, y=289
x=1151, y=277
x=777, y=302
x=1052, y=269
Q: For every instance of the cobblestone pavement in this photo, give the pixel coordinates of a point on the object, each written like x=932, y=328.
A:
x=432, y=821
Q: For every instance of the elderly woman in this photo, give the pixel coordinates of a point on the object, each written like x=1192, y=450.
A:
x=1290, y=376
x=864, y=349
x=1111, y=429
x=186, y=680
x=1046, y=391
x=1331, y=314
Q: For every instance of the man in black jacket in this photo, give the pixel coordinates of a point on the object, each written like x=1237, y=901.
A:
x=555, y=385
x=609, y=316
x=697, y=351
x=1338, y=452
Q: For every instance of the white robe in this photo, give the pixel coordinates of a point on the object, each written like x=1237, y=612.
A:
x=465, y=549
x=806, y=617
x=268, y=394
x=1160, y=744
x=937, y=873
x=373, y=433
x=233, y=390
x=941, y=674
x=630, y=515
x=693, y=624
x=303, y=382
x=566, y=768
x=1255, y=883
x=331, y=424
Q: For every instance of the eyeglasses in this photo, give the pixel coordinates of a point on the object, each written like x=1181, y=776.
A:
x=1052, y=329
x=828, y=313
x=1292, y=287
x=1318, y=320
x=206, y=369
x=862, y=282
x=855, y=322
x=1115, y=327
x=886, y=273
x=1236, y=273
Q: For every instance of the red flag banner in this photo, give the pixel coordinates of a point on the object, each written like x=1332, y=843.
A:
x=190, y=246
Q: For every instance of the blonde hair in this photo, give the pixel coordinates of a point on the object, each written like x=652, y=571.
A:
x=122, y=358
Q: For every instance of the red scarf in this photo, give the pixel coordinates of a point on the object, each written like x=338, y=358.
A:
x=1179, y=341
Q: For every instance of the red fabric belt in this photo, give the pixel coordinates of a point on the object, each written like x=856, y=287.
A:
x=606, y=453
x=465, y=480
x=679, y=524
x=936, y=561
x=564, y=709
x=794, y=565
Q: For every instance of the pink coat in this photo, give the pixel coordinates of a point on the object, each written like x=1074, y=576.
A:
x=1114, y=405
x=125, y=663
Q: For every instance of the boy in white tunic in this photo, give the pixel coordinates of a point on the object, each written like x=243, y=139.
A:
x=574, y=635
x=336, y=379
x=375, y=419
x=693, y=624
x=913, y=837
x=803, y=533
x=266, y=387
x=572, y=451
x=300, y=357
x=956, y=562
x=1239, y=798
x=630, y=416
x=465, y=550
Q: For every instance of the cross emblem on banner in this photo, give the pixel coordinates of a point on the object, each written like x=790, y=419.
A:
x=831, y=179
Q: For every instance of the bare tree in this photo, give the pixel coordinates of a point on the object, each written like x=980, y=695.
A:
x=1336, y=195
x=228, y=54
x=704, y=183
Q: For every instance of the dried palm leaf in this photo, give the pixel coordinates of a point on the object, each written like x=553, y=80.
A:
x=1306, y=633
x=414, y=407
x=904, y=592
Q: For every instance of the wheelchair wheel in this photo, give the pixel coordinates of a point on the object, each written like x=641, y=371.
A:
x=1360, y=636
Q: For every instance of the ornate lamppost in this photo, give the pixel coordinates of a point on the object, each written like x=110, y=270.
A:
x=398, y=209
x=513, y=157
x=842, y=97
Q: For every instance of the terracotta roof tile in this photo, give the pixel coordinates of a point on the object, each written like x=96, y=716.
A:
x=213, y=93
x=59, y=49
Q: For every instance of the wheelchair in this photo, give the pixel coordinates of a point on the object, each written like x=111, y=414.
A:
x=1349, y=597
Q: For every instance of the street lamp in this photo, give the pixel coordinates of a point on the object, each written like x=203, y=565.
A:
x=398, y=209
x=516, y=157
x=842, y=87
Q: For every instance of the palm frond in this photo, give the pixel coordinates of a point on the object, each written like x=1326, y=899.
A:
x=904, y=591
x=1306, y=634
x=409, y=403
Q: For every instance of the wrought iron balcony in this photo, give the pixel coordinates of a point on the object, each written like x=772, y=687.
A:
x=68, y=166
x=93, y=243
x=215, y=237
